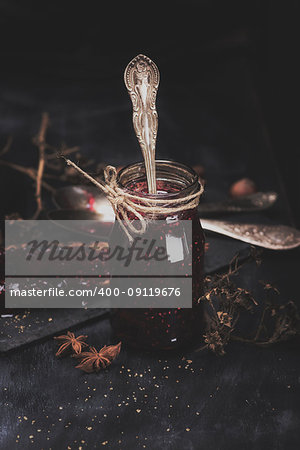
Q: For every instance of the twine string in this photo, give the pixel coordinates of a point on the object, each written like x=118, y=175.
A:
x=124, y=203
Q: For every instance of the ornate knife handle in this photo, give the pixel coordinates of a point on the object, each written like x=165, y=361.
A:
x=142, y=79
x=275, y=237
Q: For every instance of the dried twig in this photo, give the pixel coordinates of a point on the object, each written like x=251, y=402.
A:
x=64, y=151
x=29, y=171
x=49, y=166
x=40, y=142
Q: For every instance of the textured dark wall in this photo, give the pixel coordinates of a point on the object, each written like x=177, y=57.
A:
x=75, y=41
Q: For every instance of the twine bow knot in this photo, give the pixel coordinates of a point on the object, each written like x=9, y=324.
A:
x=122, y=204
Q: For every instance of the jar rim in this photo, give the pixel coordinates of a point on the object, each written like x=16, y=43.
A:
x=192, y=185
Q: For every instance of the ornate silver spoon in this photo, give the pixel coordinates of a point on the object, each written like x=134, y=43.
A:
x=141, y=78
x=275, y=237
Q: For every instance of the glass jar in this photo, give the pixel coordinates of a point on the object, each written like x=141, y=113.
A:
x=164, y=328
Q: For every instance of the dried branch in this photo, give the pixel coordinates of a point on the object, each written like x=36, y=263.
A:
x=40, y=143
x=29, y=171
x=49, y=166
x=226, y=302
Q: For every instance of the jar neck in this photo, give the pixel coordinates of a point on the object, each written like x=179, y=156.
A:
x=174, y=180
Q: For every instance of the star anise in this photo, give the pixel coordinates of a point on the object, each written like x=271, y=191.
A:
x=70, y=343
x=93, y=360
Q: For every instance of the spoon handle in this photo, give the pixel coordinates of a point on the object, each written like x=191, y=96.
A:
x=275, y=237
x=141, y=78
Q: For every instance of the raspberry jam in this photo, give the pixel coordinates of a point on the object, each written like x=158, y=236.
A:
x=164, y=328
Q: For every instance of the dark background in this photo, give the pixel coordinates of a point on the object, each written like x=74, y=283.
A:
x=68, y=50
x=228, y=99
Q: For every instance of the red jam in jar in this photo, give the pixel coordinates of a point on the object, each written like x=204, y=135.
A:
x=164, y=328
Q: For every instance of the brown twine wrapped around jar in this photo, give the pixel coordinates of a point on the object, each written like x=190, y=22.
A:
x=123, y=202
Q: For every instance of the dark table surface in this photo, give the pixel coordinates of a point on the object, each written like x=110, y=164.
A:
x=248, y=398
